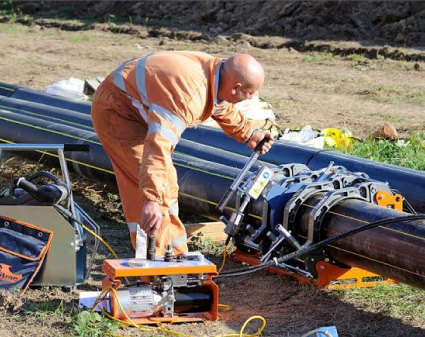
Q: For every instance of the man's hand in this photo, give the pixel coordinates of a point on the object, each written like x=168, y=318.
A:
x=257, y=137
x=151, y=218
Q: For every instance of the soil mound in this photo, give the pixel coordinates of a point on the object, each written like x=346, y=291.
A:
x=391, y=22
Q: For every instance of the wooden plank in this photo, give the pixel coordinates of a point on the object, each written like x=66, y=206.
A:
x=91, y=85
x=212, y=230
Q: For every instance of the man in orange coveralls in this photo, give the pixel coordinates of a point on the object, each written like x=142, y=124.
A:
x=139, y=113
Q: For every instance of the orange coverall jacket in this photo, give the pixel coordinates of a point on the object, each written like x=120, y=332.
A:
x=139, y=113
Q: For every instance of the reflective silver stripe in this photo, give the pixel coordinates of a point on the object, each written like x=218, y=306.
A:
x=163, y=130
x=174, y=209
x=168, y=116
x=118, y=79
x=179, y=241
x=139, y=107
x=132, y=226
x=140, y=78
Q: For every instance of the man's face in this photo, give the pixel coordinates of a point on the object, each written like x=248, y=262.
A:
x=241, y=93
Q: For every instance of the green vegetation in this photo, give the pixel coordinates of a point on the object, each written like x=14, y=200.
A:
x=80, y=37
x=92, y=324
x=398, y=300
x=12, y=29
x=46, y=309
x=318, y=57
x=408, y=153
x=357, y=58
x=204, y=244
x=385, y=93
x=10, y=12
x=33, y=60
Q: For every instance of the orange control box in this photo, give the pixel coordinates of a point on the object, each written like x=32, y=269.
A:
x=149, y=292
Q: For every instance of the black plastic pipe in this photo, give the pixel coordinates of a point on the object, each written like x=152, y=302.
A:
x=395, y=251
x=7, y=90
x=411, y=183
x=202, y=183
x=215, y=155
x=11, y=90
x=15, y=128
x=48, y=113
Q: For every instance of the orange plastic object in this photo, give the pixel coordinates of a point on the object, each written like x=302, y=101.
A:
x=329, y=275
x=387, y=200
x=116, y=269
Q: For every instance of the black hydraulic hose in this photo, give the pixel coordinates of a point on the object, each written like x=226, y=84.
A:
x=316, y=246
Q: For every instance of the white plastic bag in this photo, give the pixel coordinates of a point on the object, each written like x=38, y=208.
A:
x=306, y=137
x=71, y=88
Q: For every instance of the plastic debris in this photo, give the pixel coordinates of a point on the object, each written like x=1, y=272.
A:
x=338, y=138
x=256, y=110
x=71, y=88
x=307, y=136
x=328, y=331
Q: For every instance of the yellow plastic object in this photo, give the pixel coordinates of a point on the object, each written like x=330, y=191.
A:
x=339, y=138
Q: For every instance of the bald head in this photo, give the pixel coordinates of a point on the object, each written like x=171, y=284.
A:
x=246, y=69
x=240, y=77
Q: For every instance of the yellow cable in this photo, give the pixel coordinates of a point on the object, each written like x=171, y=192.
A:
x=101, y=240
x=224, y=259
x=106, y=245
x=259, y=331
x=225, y=307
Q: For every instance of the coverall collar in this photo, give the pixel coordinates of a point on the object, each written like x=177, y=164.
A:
x=217, y=82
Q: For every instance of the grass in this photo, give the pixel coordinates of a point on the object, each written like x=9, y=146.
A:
x=80, y=37
x=7, y=28
x=386, y=93
x=318, y=57
x=357, y=58
x=399, y=300
x=33, y=60
x=411, y=156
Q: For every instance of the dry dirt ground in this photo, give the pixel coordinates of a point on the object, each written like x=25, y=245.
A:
x=317, y=89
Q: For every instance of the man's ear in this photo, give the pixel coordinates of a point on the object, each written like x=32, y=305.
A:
x=236, y=88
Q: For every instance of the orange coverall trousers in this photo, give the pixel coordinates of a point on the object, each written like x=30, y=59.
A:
x=122, y=132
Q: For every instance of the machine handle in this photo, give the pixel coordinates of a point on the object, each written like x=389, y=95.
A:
x=260, y=144
x=27, y=186
x=151, y=249
x=233, y=188
x=76, y=147
x=225, y=200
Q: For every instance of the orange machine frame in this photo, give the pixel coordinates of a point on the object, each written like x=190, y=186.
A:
x=329, y=275
x=115, y=270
